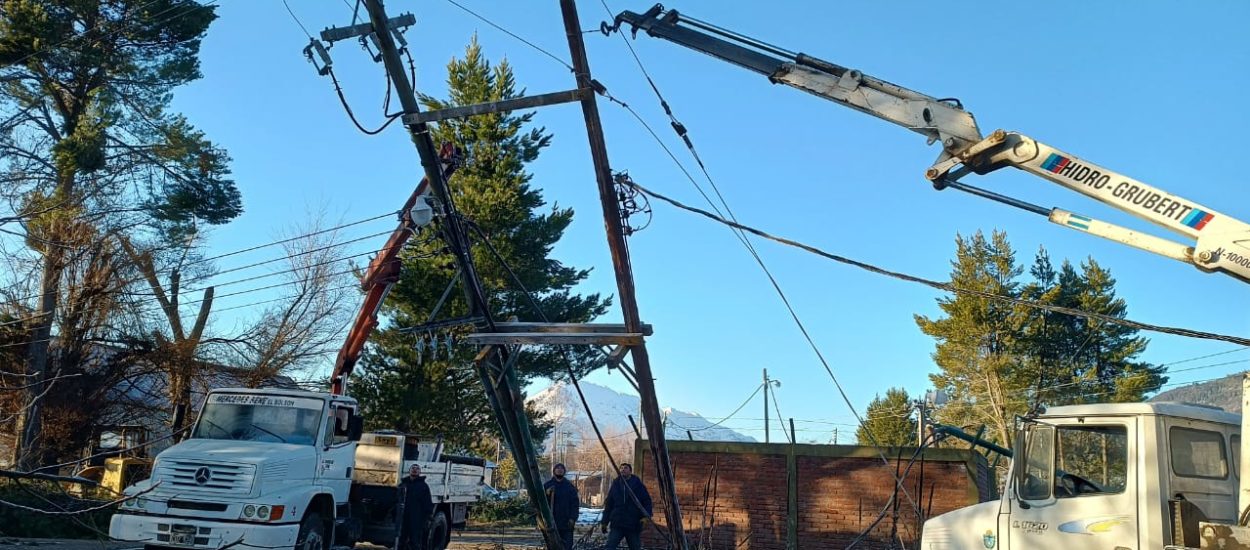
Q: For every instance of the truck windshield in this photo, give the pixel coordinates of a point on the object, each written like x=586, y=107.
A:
x=269, y=418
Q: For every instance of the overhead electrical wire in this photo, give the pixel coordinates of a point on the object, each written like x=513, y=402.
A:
x=682, y=132
x=512, y=34
x=732, y=414
x=948, y=287
x=198, y=261
x=296, y=19
x=154, y=299
x=777, y=408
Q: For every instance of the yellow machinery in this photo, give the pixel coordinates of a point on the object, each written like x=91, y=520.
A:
x=129, y=465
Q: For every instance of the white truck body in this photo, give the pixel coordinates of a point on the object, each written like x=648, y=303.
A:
x=268, y=469
x=1106, y=476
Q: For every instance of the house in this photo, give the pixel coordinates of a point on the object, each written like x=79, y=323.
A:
x=137, y=407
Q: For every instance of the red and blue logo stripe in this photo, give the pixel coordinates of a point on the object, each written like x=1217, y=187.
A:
x=1197, y=219
x=1056, y=162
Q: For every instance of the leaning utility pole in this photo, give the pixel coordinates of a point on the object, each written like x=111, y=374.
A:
x=624, y=276
x=501, y=341
x=495, y=363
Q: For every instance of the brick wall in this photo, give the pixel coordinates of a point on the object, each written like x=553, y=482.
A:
x=738, y=495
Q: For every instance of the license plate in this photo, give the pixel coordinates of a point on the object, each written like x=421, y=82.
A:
x=186, y=539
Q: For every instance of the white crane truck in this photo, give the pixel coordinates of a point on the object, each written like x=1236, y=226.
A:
x=1114, y=476
x=265, y=468
x=269, y=469
x=1122, y=475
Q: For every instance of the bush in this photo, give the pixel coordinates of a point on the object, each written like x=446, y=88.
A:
x=18, y=522
x=508, y=511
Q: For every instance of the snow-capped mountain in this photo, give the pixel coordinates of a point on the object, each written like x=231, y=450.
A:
x=612, y=409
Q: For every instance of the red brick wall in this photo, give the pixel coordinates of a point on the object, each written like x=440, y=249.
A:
x=736, y=495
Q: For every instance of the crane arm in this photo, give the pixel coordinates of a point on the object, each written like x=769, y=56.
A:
x=382, y=274
x=939, y=120
x=1220, y=243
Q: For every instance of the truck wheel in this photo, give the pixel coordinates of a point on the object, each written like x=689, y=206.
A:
x=439, y=531
x=312, y=533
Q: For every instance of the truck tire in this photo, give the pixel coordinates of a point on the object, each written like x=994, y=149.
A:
x=439, y=532
x=312, y=533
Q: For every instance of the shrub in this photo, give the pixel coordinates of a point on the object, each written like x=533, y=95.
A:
x=19, y=522
x=508, y=511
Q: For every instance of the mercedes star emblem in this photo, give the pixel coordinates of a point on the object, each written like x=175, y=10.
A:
x=203, y=475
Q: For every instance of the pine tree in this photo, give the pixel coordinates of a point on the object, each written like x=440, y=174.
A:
x=412, y=389
x=1104, y=361
x=889, y=420
x=978, y=340
x=999, y=360
x=89, y=153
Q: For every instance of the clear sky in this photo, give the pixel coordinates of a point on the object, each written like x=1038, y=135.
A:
x=1145, y=88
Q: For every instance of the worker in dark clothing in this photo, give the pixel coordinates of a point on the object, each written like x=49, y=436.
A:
x=626, y=510
x=418, y=507
x=565, y=504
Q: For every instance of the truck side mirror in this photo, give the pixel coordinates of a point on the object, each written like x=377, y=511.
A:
x=355, y=427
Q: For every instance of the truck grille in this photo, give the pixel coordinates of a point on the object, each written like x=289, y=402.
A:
x=205, y=477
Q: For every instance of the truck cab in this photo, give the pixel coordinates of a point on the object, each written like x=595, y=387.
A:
x=261, y=468
x=1124, y=476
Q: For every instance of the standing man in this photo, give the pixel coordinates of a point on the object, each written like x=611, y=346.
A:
x=418, y=507
x=627, y=509
x=565, y=504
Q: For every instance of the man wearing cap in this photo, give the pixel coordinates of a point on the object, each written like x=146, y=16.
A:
x=627, y=509
x=565, y=504
x=418, y=507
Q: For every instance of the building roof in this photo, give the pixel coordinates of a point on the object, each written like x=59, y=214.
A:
x=1161, y=408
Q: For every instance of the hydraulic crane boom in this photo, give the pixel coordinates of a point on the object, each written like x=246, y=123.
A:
x=1220, y=243
x=383, y=273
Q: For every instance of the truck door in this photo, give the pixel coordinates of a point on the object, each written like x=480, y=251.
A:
x=1075, y=487
x=338, y=457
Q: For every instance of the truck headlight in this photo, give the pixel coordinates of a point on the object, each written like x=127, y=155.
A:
x=263, y=512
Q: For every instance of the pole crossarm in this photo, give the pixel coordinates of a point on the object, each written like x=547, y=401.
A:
x=543, y=100
x=556, y=338
x=334, y=34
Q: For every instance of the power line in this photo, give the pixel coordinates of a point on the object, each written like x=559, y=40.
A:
x=279, y=259
x=777, y=408
x=338, y=89
x=238, y=281
x=1189, y=333
x=731, y=415
x=681, y=131
x=512, y=34
x=228, y=283
x=1208, y=356
x=296, y=19
x=260, y=246
x=284, y=298
x=296, y=238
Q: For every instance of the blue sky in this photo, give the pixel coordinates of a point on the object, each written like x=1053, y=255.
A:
x=1142, y=88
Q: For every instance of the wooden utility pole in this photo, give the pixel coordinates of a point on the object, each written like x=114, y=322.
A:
x=493, y=364
x=614, y=226
x=766, y=406
x=498, y=339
